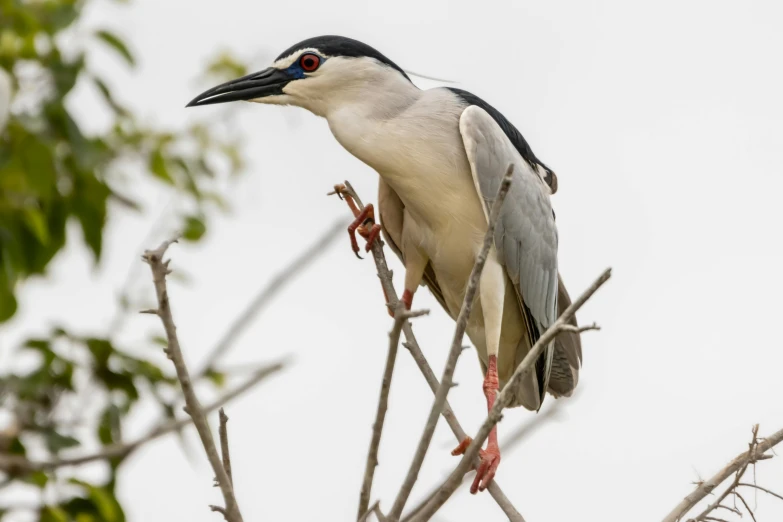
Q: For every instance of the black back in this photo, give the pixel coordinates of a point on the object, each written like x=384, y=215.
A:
x=341, y=46
x=513, y=134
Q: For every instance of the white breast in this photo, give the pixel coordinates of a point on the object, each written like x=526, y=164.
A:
x=420, y=154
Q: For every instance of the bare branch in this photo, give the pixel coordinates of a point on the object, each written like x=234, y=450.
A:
x=400, y=316
x=377, y=510
x=160, y=269
x=765, y=490
x=223, y=432
x=270, y=290
x=374, y=509
x=14, y=464
x=580, y=329
x=737, y=465
x=454, y=353
x=504, y=398
x=412, y=345
x=727, y=508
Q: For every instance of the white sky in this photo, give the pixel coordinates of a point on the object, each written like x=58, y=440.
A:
x=663, y=122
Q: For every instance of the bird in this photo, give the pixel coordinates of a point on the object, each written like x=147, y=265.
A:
x=441, y=154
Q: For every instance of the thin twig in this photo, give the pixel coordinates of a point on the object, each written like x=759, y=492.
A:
x=580, y=329
x=747, y=507
x=412, y=345
x=708, y=486
x=727, y=508
x=14, y=464
x=270, y=290
x=374, y=509
x=504, y=398
x=160, y=269
x=223, y=432
x=454, y=353
x=737, y=477
x=400, y=316
x=765, y=490
x=378, y=515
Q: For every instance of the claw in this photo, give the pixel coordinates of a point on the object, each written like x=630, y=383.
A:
x=339, y=190
x=364, y=218
x=371, y=237
x=462, y=448
x=490, y=460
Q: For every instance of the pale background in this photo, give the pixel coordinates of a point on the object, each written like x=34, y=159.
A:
x=663, y=122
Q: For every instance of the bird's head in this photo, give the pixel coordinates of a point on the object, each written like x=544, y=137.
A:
x=318, y=74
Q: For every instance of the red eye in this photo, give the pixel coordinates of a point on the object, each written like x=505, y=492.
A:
x=309, y=62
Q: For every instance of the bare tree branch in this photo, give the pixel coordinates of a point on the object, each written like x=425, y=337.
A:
x=400, y=316
x=504, y=398
x=14, y=464
x=374, y=509
x=740, y=462
x=765, y=490
x=160, y=269
x=270, y=290
x=737, y=477
x=412, y=345
x=454, y=353
x=223, y=433
x=747, y=507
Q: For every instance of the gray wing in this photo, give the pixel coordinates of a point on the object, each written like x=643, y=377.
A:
x=526, y=236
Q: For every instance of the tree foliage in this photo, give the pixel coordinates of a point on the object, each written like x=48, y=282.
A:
x=51, y=172
x=71, y=392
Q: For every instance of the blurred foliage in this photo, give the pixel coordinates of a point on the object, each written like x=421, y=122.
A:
x=51, y=172
x=75, y=401
x=68, y=393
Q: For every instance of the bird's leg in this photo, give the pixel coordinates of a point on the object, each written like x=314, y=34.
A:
x=342, y=193
x=415, y=263
x=492, y=291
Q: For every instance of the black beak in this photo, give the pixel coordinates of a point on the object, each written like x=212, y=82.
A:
x=257, y=85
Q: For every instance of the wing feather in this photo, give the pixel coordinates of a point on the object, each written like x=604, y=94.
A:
x=526, y=235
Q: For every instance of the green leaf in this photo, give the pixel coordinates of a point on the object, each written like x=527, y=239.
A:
x=108, y=96
x=117, y=44
x=109, y=428
x=101, y=350
x=53, y=514
x=7, y=299
x=89, y=204
x=119, y=381
x=17, y=448
x=162, y=341
x=217, y=378
x=158, y=167
x=38, y=478
x=36, y=222
x=106, y=503
x=56, y=441
x=194, y=228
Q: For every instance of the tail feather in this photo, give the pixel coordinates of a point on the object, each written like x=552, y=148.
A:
x=567, y=353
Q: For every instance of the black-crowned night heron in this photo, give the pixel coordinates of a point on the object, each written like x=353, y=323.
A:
x=441, y=155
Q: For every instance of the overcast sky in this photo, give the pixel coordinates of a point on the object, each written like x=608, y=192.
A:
x=663, y=123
